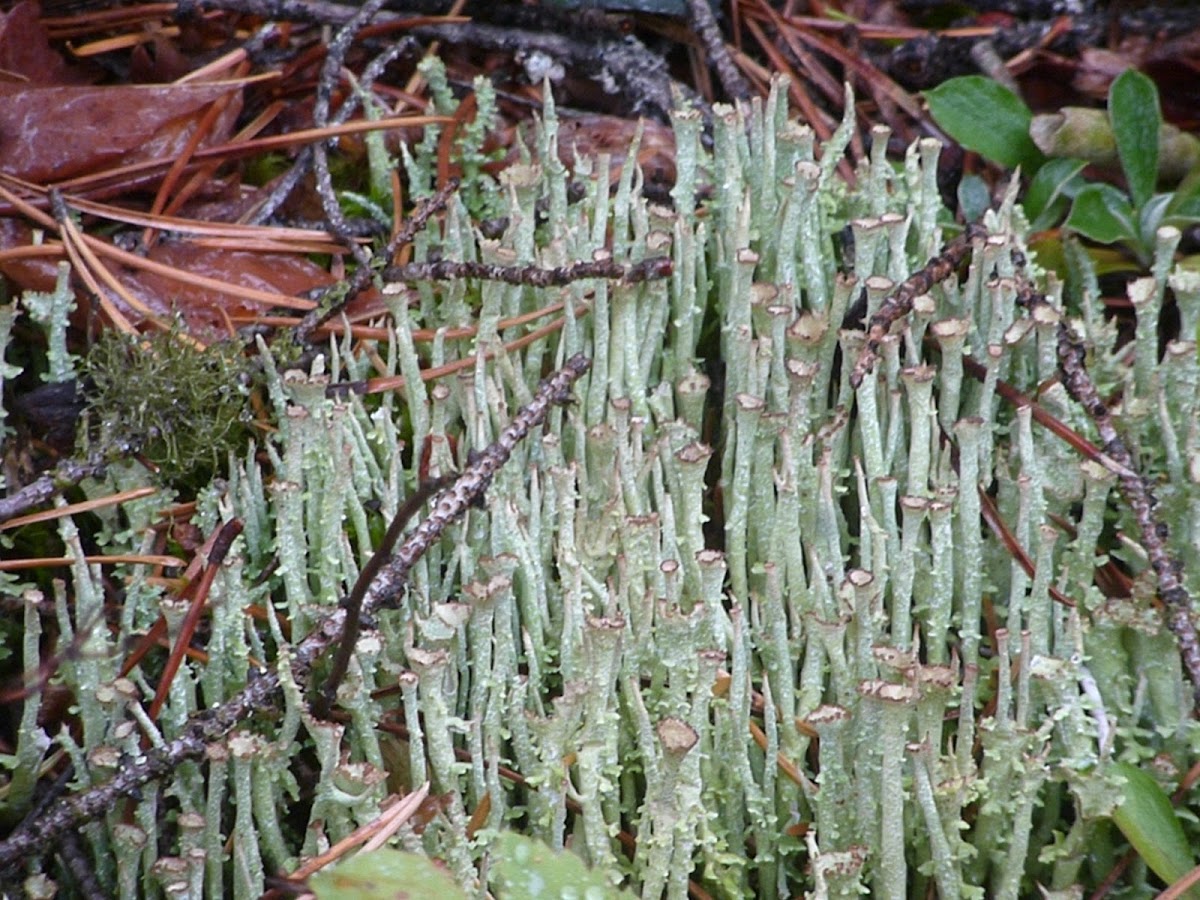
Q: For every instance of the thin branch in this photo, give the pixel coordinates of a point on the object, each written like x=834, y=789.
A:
x=331, y=73
x=532, y=276
x=899, y=303
x=67, y=474
x=1046, y=419
x=363, y=274
x=1072, y=362
x=621, y=65
x=704, y=24
x=261, y=692
x=353, y=602
x=304, y=159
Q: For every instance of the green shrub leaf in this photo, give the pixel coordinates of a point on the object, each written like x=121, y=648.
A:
x=1151, y=825
x=526, y=869
x=1136, y=120
x=974, y=199
x=988, y=118
x=1103, y=214
x=1046, y=199
x=385, y=874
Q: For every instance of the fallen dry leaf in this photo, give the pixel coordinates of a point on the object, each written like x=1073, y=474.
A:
x=25, y=51
x=48, y=134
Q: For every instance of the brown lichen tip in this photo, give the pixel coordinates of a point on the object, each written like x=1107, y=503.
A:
x=677, y=736
x=828, y=714
x=887, y=691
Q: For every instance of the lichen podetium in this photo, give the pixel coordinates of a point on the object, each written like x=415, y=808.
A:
x=743, y=535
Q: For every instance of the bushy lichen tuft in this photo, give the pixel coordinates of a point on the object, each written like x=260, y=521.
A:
x=181, y=406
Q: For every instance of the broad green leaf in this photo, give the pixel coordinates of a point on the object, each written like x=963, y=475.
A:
x=1151, y=825
x=1184, y=207
x=1183, y=214
x=525, y=869
x=1047, y=195
x=1150, y=219
x=988, y=118
x=1103, y=213
x=385, y=874
x=1133, y=111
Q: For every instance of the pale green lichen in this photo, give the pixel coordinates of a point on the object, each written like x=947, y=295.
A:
x=576, y=627
x=52, y=310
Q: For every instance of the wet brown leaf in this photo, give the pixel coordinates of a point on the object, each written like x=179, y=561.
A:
x=48, y=134
x=25, y=50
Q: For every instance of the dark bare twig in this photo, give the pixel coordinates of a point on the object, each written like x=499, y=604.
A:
x=899, y=302
x=703, y=22
x=362, y=275
x=304, y=159
x=214, y=724
x=76, y=860
x=532, y=276
x=1045, y=418
x=638, y=79
x=1072, y=363
x=331, y=73
x=990, y=513
x=353, y=602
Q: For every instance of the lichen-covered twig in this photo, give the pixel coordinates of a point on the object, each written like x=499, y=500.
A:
x=621, y=64
x=214, y=724
x=1072, y=362
x=899, y=302
x=67, y=474
x=363, y=274
x=532, y=276
x=705, y=25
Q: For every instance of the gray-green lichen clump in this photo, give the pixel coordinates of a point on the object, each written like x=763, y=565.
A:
x=651, y=678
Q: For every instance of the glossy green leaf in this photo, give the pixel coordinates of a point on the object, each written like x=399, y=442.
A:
x=1151, y=825
x=1136, y=120
x=385, y=874
x=1104, y=214
x=1048, y=193
x=525, y=869
x=988, y=118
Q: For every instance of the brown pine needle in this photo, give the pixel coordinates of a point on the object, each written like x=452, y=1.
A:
x=372, y=834
x=72, y=509
x=133, y=559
